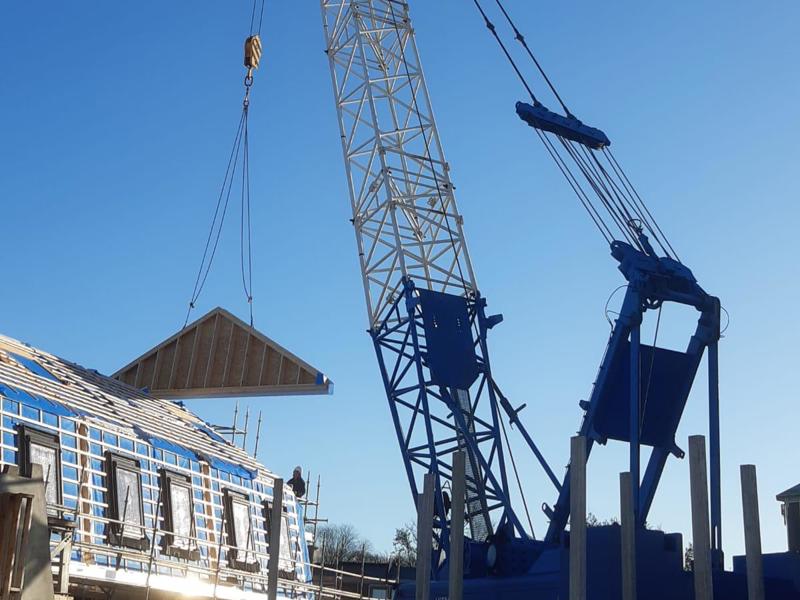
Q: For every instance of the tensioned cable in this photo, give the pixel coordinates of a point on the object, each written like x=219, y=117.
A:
x=627, y=199
x=551, y=149
x=402, y=51
x=609, y=183
x=590, y=209
x=650, y=374
x=490, y=26
x=516, y=475
x=624, y=177
x=247, y=271
x=613, y=211
x=217, y=221
x=521, y=38
x=253, y=17
x=241, y=146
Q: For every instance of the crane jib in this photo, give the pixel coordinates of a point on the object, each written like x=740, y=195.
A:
x=542, y=118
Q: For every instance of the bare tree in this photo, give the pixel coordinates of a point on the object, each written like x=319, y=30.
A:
x=340, y=543
x=404, y=545
x=593, y=521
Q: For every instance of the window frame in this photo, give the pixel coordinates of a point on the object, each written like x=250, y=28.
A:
x=171, y=545
x=118, y=533
x=28, y=435
x=266, y=507
x=230, y=497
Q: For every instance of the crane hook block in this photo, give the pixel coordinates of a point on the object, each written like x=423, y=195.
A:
x=252, y=51
x=542, y=118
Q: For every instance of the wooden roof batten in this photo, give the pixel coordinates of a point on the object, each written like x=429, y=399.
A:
x=221, y=356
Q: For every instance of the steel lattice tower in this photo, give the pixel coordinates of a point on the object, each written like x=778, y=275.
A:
x=415, y=264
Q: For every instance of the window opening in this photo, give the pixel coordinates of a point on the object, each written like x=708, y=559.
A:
x=176, y=494
x=285, y=559
x=241, y=551
x=125, y=502
x=39, y=447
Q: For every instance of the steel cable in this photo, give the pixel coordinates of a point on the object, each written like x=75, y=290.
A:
x=218, y=220
x=611, y=185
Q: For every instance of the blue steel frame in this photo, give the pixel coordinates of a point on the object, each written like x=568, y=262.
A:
x=431, y=424
x=653, y=280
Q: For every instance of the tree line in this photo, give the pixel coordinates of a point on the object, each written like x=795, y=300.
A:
x=338, y=543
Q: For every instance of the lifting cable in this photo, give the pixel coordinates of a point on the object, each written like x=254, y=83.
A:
x=599, y=174
x=644, y=398
x=241, y=147
x=516, y=474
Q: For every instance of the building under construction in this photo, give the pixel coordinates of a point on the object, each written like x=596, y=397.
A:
x=134, y=496
x=131, y=494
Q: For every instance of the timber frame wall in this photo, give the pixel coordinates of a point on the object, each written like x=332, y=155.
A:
x=83, y=444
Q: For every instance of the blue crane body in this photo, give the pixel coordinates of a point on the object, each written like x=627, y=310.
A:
x=429, y=326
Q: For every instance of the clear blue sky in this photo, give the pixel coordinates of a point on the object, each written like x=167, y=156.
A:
x=116, y=120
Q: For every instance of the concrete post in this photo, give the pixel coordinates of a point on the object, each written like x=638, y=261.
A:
x=32, y=570
x=701, y=536
x=792, y=514
x=276, y=522
x=577, y=519
x=715, y=481
x=635, y=418
x=628, y=541
x=456, y=588
x=752, y=533
x=425, y=537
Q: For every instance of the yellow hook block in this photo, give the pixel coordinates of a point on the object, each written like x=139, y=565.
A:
x=252, y=51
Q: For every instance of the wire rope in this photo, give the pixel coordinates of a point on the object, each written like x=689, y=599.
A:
x=516, y=475
x=611, y=185
x=240, y=148
x=650, y=373
x=521, y=38
x=217, y=221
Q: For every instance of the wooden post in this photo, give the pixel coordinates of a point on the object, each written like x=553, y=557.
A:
x=635, y=418
x=577, y=519
x=363, y=564
x=752, y=533
x=275, y=539
x=425, y=537
x=455, y=590
x=628, y=541
x=701, y=536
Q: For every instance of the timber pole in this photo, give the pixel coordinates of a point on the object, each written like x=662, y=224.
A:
x=577, y=519
x=752, y=533
x=456, y=588
x=701, y=536
x=276, y=521
x=425, y=537
x=628, y=541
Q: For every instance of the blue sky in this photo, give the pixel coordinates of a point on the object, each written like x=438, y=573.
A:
x=116, y=120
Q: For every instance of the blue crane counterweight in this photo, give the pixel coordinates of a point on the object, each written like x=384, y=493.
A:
x=540, y=117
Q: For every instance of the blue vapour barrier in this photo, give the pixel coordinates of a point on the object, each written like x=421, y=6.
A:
x=34, y=367
x=228, y=467
x=162, y=444
x=36, y=401
x=205, y=428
